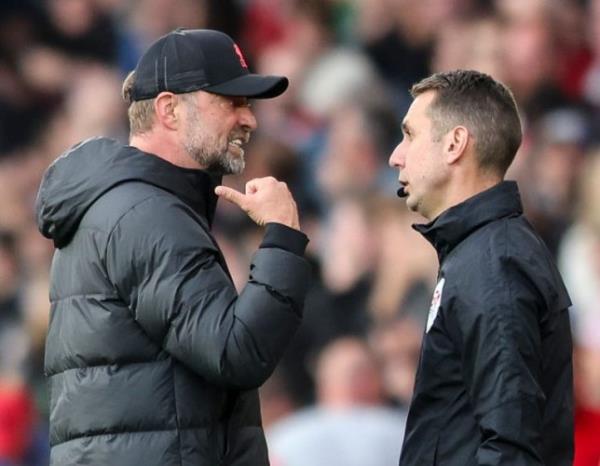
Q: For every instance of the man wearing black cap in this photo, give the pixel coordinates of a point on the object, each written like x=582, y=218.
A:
x=152, y=357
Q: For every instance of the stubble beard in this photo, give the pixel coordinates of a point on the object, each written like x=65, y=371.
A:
x=205, y=148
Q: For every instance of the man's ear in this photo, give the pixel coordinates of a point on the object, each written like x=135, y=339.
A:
x=455, y=143
x=165, y=105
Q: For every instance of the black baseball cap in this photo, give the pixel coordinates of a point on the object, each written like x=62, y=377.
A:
x=187, y=60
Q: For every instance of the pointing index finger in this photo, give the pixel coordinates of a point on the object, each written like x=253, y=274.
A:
x=230, y=194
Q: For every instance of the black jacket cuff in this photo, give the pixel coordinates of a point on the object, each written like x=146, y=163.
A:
x=283, y=237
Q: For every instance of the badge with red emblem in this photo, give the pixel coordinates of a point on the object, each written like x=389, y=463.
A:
x=240, y=56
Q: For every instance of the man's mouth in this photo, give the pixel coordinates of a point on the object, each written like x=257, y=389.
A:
x=402, y=192
x=238, y=143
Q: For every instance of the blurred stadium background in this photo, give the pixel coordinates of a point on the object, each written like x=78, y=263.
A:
x=348, y=374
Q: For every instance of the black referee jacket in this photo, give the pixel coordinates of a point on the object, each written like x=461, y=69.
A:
x=494, y=382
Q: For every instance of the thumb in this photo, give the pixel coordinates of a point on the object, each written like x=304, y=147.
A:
x=230, y=195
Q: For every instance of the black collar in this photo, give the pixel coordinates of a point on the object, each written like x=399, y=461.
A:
x=193, y=186
x=455, y=224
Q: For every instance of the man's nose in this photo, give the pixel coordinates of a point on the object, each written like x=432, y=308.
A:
x=397, y=157
x=247, y=118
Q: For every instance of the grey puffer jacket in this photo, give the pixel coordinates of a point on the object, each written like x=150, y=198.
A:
x=152, y=357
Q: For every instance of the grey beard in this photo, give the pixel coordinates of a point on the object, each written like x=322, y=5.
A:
x=204, y=149
x=218, y=163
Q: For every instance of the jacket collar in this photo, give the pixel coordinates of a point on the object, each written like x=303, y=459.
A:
x=455, y=224
x=193, y=186
x=88, y=170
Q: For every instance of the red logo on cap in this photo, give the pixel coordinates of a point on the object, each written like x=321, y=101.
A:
x=240, y=56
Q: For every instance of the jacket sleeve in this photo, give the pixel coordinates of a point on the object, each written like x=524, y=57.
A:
x=165, y=265
x=496, y=319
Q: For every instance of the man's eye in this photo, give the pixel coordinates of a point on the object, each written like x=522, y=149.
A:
x=240, y=102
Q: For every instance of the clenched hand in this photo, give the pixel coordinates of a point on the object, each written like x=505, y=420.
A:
x=266, y=200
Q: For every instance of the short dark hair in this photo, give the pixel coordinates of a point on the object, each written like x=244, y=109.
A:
x=485, y=106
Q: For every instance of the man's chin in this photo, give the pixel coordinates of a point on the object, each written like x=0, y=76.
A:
x=235, y=162
x=236, y=169
x=229, y=164
x=411, y=203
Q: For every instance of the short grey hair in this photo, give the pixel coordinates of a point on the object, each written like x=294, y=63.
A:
x=141, y=112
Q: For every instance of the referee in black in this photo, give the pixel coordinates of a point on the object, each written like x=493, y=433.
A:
x=494, y=383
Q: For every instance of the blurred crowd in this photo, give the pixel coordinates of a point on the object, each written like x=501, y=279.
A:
x=339, y=396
